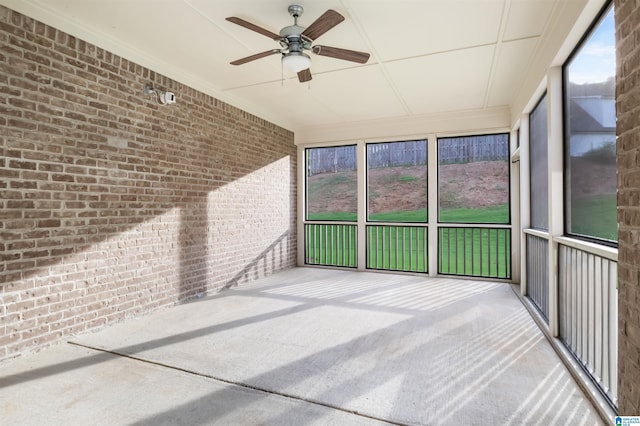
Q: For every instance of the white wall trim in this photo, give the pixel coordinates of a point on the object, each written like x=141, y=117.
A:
x=459, y=123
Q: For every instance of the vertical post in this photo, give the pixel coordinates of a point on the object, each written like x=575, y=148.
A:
x=515, y=211
x=432, y=202
x=525, y=199
x=556, y=187
x=361, y=170
x=302, y=167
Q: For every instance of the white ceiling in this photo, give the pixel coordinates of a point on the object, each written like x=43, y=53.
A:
x=427, y=57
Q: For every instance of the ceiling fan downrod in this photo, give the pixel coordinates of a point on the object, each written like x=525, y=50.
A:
x=296, y=11
x=294, y=41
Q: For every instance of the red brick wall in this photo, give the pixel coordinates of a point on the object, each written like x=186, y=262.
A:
x=113, y=205
x=628, y=129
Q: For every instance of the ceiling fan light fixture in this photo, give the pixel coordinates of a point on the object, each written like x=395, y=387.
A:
x=296, y=61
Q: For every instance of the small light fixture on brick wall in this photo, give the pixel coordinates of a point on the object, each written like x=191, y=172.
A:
x=161, y=97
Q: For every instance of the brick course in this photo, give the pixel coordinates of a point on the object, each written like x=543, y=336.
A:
x=628, y=154
x=113, y=205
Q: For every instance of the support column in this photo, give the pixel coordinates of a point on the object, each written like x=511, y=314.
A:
x=432, y=202
x=361, y=152
x=301, y=202
x=515, y=208
x=525, y=199
x=556, y=186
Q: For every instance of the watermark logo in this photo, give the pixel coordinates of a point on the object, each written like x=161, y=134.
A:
x=628, y=421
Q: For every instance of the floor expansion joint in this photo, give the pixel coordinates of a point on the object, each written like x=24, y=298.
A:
x=230, y=382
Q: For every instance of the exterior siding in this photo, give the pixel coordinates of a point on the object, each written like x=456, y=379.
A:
x=114, y=205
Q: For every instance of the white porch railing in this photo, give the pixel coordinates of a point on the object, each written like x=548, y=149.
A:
x=537, y=252
x=583, y=306
x=588, y=313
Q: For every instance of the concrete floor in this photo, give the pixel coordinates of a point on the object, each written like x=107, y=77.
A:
x=308, y=346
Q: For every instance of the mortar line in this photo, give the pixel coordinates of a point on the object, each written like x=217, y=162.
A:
x=231, y=382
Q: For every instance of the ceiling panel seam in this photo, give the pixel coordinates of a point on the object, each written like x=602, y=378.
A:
x=496, y=52
x=226, y=31
x=376, y=56
x=440, y=52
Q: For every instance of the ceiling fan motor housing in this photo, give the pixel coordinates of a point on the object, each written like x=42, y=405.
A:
x=294, y=41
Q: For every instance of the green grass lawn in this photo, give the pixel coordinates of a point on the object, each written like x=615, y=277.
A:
x=595, y=216
x=400, y=216
x=339, y=216
x=494, y=214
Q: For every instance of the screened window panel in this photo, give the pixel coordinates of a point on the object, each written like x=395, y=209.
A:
x=538, y=160
x=590, y=142
x=331, y=183
x=397, y=181
x=473, y=179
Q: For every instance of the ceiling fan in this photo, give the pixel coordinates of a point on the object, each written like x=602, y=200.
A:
x=295, y=40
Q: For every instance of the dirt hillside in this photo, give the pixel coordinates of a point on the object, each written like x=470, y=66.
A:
x=474, y=185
